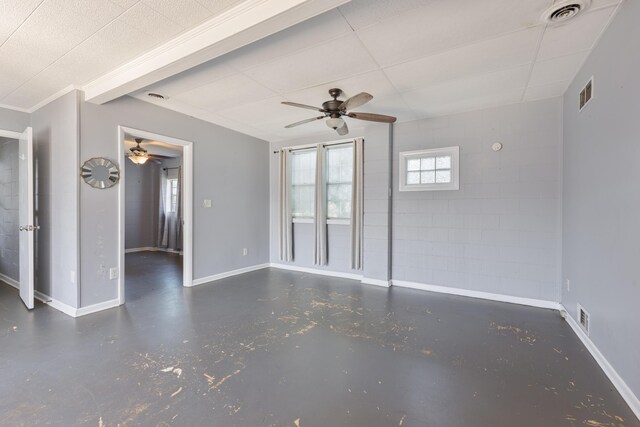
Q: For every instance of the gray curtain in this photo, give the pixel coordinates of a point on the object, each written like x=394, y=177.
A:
x=170, y=228
x=320, y=220
x=286, y=222
x=357, y=204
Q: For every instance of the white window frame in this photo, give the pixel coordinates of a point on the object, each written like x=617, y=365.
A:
x=405, y=156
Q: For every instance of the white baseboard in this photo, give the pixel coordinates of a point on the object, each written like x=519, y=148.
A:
x=478, y=294
x=58, y=305
x=622, y=387
x=83, y=311
x=376, y=282
x=226, y=274
x=317, y=271
x=151, y=249
x=10, y=281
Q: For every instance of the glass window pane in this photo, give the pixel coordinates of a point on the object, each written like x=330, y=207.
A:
x=428, y=164
x=428, y=178
x=413, y=164
x=443, y=177
x=443, y=162
x=413, y=178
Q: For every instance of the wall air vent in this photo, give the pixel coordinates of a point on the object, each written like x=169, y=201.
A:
x=155, y=95
x=584, y=318
x=586, y=94
x=564, y=11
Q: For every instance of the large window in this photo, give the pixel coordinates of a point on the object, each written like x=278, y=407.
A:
x=339, y=178
x=303, y=180
x=429, y=170
x=339, y=175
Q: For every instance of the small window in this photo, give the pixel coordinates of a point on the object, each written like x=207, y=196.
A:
x=339, y=180
x=429, y=170
x=171, y=195
x=303, y=183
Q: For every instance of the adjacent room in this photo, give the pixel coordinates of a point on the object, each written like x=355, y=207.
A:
x=299, y=213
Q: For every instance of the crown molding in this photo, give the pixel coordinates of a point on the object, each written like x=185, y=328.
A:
x=246, y=23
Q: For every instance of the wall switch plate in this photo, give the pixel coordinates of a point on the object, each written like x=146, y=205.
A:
x=113, y=273
x=567, y=283
x=72, y=277
x=206, y=203
x=245, y=252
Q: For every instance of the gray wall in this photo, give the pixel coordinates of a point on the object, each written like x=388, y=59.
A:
x=229, y=168
x=376, y=212
x=601, y=230
x=55, y=135
x=142, y=193
x=500, y=232
x=14, y=121
x=9, y=245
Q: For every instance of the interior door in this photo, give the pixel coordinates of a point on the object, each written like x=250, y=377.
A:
x=26, y=218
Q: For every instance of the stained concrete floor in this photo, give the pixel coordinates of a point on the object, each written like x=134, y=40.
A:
x=278, y=348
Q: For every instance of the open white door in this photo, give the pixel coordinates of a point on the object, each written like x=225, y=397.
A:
x=26, y=217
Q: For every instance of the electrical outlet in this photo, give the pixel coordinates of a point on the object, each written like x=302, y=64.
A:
x=206, y=203
x=244, y=252
x=567, y=283
x=113, y=273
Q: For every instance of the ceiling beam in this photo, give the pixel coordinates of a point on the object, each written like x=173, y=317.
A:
x=246, y=23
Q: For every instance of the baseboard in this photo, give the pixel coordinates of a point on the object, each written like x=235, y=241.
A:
x=83, y=311
x=376, y=282
x=226, y=274
x=8, y=280
x=622, y=387
x=151, y=249
x=552, y=305
x=58, y=305
x=317, y=271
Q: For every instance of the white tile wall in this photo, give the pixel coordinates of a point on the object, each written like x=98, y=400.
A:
x=500, y=232
x=9, y=253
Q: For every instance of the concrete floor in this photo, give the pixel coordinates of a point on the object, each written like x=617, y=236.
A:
x=278, y=348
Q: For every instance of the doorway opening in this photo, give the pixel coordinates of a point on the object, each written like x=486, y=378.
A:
x=156, y=199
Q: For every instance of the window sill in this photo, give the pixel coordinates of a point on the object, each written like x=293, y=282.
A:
x=329, y=221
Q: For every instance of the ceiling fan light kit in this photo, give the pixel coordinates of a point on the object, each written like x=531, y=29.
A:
x=335, y=109
x=138, y=155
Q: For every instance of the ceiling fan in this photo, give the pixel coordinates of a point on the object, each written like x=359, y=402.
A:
x=140, y=155
x=334, y=109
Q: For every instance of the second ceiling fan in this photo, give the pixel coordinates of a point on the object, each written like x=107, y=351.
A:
x=334, y=109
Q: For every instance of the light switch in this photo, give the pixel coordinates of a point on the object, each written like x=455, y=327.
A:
x=206, y=203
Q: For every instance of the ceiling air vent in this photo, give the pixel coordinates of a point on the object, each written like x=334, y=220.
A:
x=584, y=319
x=564, y=11
x=586, y=94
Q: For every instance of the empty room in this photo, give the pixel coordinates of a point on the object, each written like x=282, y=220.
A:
x=312, y=213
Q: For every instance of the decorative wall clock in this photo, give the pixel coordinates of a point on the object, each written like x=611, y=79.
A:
x=101, y=173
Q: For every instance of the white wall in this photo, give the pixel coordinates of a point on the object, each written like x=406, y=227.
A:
x=601, y=233
x=9, y=238
x=500, y=232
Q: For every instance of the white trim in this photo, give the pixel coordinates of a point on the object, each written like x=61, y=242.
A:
x=622, y=387
x=239, y=26
x=318, y=271
x=52, y=98
x=11, y=107
x=552, y=305
x=10, y=134
x=454, y=185
x=90, y=309
x=302, y=220
x=187, y=203
x=226, y=274
x=151, y=249
x=333, y=221
x=8, y=280
x=58, y=305
x=376, y=282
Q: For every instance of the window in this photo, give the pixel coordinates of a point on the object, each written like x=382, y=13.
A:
x=429, y=170
x=303, y=183
x=339, y=178
x=171, y=195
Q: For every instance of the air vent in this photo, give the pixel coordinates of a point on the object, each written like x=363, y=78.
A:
x=564, y=11
x=586, y=94
x=584, y=318
x=156, y=95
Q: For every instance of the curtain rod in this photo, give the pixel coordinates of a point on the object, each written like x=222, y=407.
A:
x=306, y=146
x=166, y=169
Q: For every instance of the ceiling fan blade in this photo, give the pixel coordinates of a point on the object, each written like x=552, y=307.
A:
x=356, y=101
x=373, y=117
x=308, y=107
x=304, y=121
x=343, y=130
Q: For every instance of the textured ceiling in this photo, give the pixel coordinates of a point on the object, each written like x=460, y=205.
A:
x=418, y=58
x=47, y=45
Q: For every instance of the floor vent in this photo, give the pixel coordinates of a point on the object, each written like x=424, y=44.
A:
x=586, y=94
x=584, y=318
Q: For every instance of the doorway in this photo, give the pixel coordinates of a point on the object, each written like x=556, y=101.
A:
x=155, y=215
